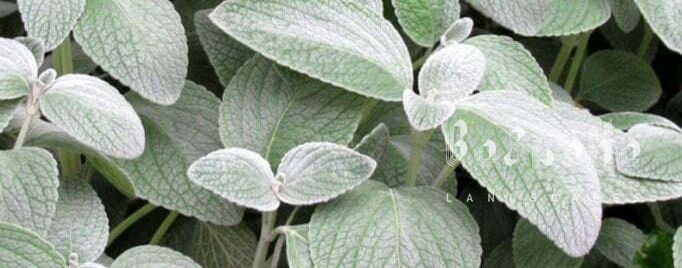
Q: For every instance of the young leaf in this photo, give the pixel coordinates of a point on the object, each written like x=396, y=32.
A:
x=626, y=120
x=667, y=25
x=16, y=64
x=13, y=85
x=619, y=81
x=655, y=155
x=50, y=20
x=619, y=241
x=153, y=256
x=340, y=42
x=318, y=171
x=545, y=17
x=458, y=31
x=23, y=248
x=509, y=66
x=93, y=112
x=514, y=141
x=407, y=226
x=426, y=20
x=80, y=224
x=449, y=75
x=532, y=249
x=625, y=13
x=141, y=43
x=225, y=54
x=281, y=109
x=7, y=111
x=298, y=246
x=28, y=188
x=238, y=175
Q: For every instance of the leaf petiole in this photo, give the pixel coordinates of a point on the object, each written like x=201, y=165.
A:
x=560, y=62
x=129, y=221
x=268, y=223
x=163, y=228
x=577, y=61
x=418, y=138
x=646, y=41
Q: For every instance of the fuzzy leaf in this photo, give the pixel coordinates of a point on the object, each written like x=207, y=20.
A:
x=80, y=224
x=501, y=256
x=141, y=43
x=619, y=81
x=426, y=20
x=238, y=175
x=23, y=248
x=458, y=31
x=95, y=113
x=509, y=66
x=50, y=20
x=677, y=248
x=225, y=54
x=664, y=17
x=626, y=120
x=317, y=172
x=13, y=86
x=15, y=60
x=7, y=111
x=532, y=249
x=394, y=222
x=655, y=155
x=374, y=5
x=625, y=13
x=153, y=256
x=518, y=149
x=298, y=247
x=619, y=241
x=36, y=46
x=340, y=42
x=28, y=188
x=545, y=17
x=449, y=75
x=281, y=109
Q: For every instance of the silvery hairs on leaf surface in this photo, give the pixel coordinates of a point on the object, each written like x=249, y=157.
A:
x=449, y=75
x=458, y=31
x=310, y=173
x=17, y=69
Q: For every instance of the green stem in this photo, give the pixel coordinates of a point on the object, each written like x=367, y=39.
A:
x=274, y=261
x=418, y=138
x=292, y=216
x=560, y=62
x=268, y=223
x=646, y=41
x=658, y=218
x=577, y=61
x=444, y=174
x=367, y=109
x=71, y=163
x=419, y=62
x=130, y=220
x=62, y=58
x=23, y=131
x=163, y=228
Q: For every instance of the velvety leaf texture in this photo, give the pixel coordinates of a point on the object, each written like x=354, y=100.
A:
x=153, y=256
x=619, y=241
x=280, y=109
x=23, y=248
x=141, y=43
x=626, y=120
x=626, y=14
x=677, y=248
x=298, y=246
x=376, y=226
x=340, y=42
x=665, y=18
x=50, y=20
x=426, y=20
x=650, y=152
x=15, y=60
x=532, y=249
x=7, y=111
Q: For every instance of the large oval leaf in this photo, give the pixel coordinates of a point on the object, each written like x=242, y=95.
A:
x=141, y=43
x=426, y=20
x=407, y=227
x=532, y=249
x=93, y=112
x=650, y=152
x=509, y=66
x=28, y=188
x=17, y=67
x=153, y=256
x=545, y=17
x=619, y=241
x=665, y=18
x=281, y=109
x=337, y=41
x=23, y=248
x=518, y=149
x=50, y=20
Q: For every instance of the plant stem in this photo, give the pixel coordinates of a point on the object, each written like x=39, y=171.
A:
x=23, y=131
x=560, y=62
x=367, y=109
x=70, y=162
x=268, y=223
x=278, y=252
x=418, y=138
x=62, y=58
x=658, y=218
x=163, y=228
x=577, y=61
x=646, y=41
x=130, y=220
x=419, y=62
x=444, y=174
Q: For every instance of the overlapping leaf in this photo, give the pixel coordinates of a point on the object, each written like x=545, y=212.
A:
x=50, y=20
x=298, y=246
x=532, y=249
x=625, y=13
x=141, y=43
x=153, y=256
x=626, y=120
x=665, y=18
x=458, y=31
x=650, y=152
x=340, y=42
x=677, y=248
x=7, y=111
x=7, y=8
x=426, y=20
x=23, y=248
x=619, y=241
x=17, y=68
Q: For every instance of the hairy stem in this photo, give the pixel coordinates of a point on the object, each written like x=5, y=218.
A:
x=163, y=228
x=418, y=138
x=129, y=221
x=367, y=109
x=268, y=223
x=560, y=62
x=278, y=252
x=658, y=218
x=444, y=174
x=419, y=62
x=646, y=41
x=577, y=61
x=22, y=133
